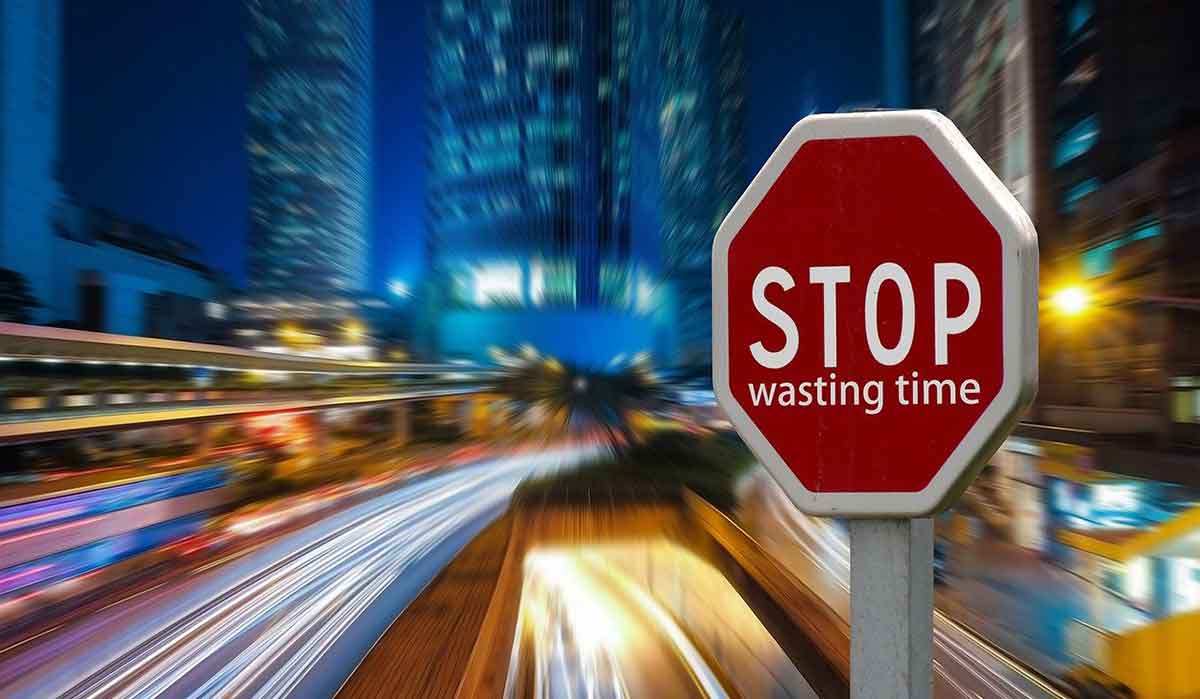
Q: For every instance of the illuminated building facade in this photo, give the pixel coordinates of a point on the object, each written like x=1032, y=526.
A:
x=528, y=153
x=308, y=145
x=974, y=63
x=577, y=151
x=702, y=156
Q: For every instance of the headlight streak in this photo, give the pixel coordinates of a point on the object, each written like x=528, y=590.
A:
x=575, y=642
x=571, y=603
x=654, y=612
x=267, y=622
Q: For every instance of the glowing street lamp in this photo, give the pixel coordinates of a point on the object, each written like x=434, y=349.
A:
x=1070, y=301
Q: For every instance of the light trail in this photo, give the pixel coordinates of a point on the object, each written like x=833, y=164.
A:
x=640, y=618
x=259, y=626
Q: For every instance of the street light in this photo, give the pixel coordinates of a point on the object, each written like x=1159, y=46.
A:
x=1071, y=300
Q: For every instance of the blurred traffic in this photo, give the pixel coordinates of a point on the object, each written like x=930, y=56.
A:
x=363, y=349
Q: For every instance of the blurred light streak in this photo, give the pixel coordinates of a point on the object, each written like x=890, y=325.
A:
x=666, y=624
x=258, y=626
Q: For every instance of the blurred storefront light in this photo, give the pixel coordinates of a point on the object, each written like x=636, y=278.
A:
x=1138, y=580
x=497, y=283
x=1116, y=497
x=1184, y=585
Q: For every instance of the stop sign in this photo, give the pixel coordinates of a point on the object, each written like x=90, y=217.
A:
x=875, y=313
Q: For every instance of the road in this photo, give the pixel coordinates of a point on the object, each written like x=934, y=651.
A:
x=817, y=553
x=584, y=632
x=289, y=618
x=641, y=618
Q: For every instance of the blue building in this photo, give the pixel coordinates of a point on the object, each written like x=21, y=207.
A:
x=86, y=267
x=577, y=150
x=30, y=58
x=309, y=145
x=115, y=275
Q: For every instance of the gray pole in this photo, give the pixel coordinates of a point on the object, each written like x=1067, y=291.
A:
x=891, y=608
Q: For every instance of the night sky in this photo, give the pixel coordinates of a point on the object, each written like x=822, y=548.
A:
x=153, y=115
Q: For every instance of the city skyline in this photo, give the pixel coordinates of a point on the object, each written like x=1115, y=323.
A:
x=178, y=162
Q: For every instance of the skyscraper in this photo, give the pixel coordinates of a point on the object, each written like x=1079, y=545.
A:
x=577, y=150
x=30, y=57
x=528, y=159
x=309, y=145
x=974, y=62
x=702, y=159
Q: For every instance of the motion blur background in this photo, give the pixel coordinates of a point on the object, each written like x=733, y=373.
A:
x=321, y=313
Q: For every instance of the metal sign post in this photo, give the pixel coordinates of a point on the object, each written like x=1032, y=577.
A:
x=874, y=340
x=891, y=608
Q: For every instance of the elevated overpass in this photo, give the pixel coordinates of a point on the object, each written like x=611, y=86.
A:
x=66, y=399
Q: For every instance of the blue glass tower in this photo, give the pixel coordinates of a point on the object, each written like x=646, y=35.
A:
x=578, y=150
x=309, y=144
x=701, y=125
x=528, y=154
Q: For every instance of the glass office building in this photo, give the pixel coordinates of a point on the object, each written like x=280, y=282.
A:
x=578, y=150
x=528, y=160
x=309, y=144
x=702, y=158
x=30, y=80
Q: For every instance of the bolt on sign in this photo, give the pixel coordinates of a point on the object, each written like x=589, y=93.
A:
x=875, y=313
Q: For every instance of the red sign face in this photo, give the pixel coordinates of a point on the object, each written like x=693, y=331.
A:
x=866, y=344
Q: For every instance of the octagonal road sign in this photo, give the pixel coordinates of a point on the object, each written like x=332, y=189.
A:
x=875, y=313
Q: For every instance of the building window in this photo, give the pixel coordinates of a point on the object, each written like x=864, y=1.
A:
x=1146, y=228
x=1079, y=16
x=1077, y=140
x=1098, y=261
x=1075, y=193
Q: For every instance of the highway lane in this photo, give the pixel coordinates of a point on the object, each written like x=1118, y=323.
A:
x=641, y=618
x=818, y=554
x=584, y=634
x=290, y=618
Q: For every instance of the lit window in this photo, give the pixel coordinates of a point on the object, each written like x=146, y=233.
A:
x=498, y=283
x=1076, y=193
x=1077, y=18
x=1098, y=261
x=1182, y=406
x=1116, y=497
x=1145, y=229
x=1077, y=140
x=1185, y=585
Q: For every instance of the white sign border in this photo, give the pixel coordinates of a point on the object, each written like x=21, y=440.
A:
x=1020, y=282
